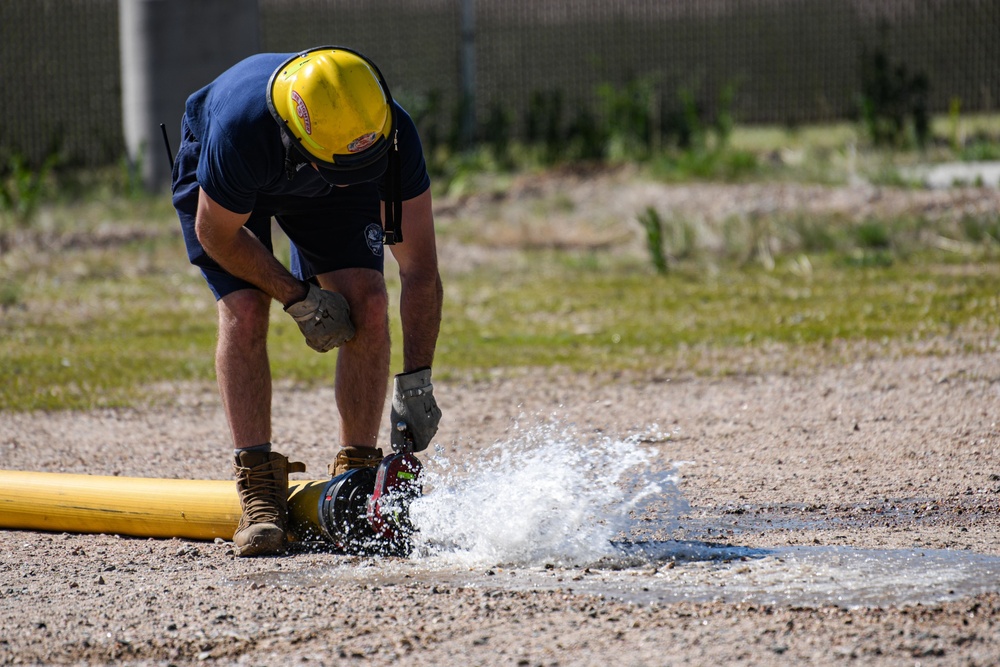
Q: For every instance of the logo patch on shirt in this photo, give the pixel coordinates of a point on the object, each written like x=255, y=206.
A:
x=373, y=237
x=302, y=112
x=362, y=142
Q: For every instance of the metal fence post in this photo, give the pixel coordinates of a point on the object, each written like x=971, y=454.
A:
x=467, y=60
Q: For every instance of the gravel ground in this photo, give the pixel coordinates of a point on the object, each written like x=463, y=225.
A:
x=886, y=454
x=781, y=467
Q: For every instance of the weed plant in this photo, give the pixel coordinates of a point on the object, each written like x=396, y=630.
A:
x=23, y=188
x=653, y=225
x=893, y=101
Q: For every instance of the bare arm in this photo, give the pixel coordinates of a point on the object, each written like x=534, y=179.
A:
x=239, y=252
x=422, y=293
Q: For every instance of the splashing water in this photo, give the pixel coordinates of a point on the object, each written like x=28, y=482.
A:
x=546, y=496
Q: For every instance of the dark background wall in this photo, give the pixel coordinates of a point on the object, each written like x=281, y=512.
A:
x=791, y=61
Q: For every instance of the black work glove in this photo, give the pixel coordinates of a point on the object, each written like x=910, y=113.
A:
x=413, y=407
x=324, y=318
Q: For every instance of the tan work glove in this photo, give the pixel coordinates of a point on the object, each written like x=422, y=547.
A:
x=324, y=318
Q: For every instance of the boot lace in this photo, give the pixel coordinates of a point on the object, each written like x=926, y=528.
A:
x=262, y=493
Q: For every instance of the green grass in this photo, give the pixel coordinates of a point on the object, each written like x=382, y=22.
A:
x=106, y=338
x=634, y=319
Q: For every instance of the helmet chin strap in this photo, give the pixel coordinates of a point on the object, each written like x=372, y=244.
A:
x=294, y=160
x=392, y=232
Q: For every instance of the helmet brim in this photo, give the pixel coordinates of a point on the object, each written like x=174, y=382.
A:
x=366, y=174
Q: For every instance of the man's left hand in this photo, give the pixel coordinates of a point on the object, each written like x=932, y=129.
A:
x=413, y=404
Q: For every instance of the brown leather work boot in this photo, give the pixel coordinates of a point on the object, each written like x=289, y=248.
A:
x=351, y=458
x=262, y=484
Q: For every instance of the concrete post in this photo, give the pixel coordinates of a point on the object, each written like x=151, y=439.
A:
x=169, y=49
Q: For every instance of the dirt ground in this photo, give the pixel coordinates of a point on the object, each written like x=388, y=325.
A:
x=884, y=452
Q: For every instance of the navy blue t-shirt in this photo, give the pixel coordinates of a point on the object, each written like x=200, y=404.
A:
x=241, y=152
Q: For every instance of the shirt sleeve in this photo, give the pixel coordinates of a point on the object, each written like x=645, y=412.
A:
x=224, y=175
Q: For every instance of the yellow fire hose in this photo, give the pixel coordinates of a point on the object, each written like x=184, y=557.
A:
x=140, y=507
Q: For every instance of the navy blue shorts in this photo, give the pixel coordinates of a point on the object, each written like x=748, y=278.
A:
x=340, y=230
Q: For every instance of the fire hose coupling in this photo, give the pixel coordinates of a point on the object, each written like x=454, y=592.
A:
x=342, y=509
x=366, y=510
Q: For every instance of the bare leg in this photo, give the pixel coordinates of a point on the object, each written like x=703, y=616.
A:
x=363, y=362
x=242, y=366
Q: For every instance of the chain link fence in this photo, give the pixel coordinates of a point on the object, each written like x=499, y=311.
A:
x=785, y=61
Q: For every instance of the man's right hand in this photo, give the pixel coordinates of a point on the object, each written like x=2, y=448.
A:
x=324, y=318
